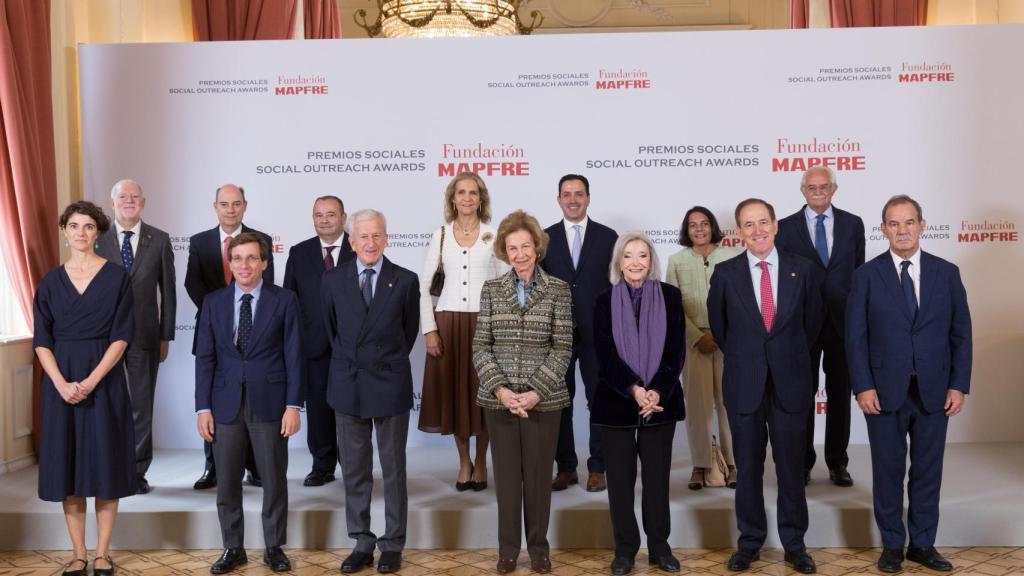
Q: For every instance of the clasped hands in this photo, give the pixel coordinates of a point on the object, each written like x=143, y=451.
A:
x=75, y=392
x=519, y=404
x=648, y=400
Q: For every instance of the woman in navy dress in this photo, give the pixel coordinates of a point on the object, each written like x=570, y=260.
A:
x=83, y=321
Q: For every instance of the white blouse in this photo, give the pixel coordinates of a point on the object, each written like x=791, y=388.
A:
x=465, y=271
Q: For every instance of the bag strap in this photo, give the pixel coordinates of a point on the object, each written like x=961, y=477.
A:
x=440, y=253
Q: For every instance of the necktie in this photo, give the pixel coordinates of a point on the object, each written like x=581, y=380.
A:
x=821, y=239
x=244, y=323
x=126, y=250
x=328, y=259
x=577, y=243
x=368, y=286
x=224, y=260
x=767, y=303
x=908, y=288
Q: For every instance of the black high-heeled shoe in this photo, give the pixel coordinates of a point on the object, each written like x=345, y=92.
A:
x=467, y=485
x=97, y=571
x=478, y=486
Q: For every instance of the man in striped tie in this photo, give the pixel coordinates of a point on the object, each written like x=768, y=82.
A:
x=764, y=307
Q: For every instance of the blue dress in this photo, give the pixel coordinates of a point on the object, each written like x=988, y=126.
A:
x=86, y=449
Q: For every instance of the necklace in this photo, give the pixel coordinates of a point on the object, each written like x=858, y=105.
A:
x=468, y=231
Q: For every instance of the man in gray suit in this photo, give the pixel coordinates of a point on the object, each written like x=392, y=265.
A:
x=146, y=254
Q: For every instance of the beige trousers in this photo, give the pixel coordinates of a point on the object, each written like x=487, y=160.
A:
x=702, y=386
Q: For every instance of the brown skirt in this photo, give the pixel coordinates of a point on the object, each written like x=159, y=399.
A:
x=448, y=404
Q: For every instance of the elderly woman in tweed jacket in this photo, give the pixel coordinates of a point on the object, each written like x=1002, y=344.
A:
x=521, y=351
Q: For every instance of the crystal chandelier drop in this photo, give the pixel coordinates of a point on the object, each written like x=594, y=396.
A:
x=447, y=19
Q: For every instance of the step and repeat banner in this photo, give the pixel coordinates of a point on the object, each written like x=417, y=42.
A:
x=657, y=122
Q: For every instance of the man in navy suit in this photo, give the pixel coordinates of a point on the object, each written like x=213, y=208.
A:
x=371, y=310
x=833, y=240
x=208, y=270
x=307, y=262
x=579, y=253
x=764, y=308
x=249, y=391
x=908, y=339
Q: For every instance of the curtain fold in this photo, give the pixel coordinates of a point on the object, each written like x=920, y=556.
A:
x=321, y=19
x=217, y=20
x=861, y=13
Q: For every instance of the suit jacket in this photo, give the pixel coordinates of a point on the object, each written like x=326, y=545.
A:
x=613, y=403
x=302, y=275
x=371, y=376
x=205, y=271
x=847, y=255
x=752, y=354
x=152, y=274
x=586, y=281
x=270, y=369
x=884, y=345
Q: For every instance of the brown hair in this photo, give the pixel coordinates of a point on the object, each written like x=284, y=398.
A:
x=251, y=238
x=483, y=211
x=514, y=222
x=748, y=202
x=902, y=199
x=86, y=208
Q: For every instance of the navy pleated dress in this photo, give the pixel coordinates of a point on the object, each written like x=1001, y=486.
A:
x=86, y=449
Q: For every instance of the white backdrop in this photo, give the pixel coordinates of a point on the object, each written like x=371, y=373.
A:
x=658, y=122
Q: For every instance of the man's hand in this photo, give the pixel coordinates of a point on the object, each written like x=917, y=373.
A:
x=868, y=402
x=204, y=423
x=290, y=422
x=954, y=402
x=164, y=347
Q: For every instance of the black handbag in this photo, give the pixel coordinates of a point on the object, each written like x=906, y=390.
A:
x=437, y=282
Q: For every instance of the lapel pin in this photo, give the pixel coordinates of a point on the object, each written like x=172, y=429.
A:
x=793, y=274
x=390, y=285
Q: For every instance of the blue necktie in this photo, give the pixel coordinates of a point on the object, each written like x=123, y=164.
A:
x=821, y=239
x=368, y=286
x=126, y=250
x=577, y=243
x=244, y=324
x=908, y=288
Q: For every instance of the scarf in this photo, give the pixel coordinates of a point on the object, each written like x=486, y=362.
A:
x=640, y=346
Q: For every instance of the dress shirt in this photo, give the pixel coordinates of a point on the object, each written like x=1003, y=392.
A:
x=134, y=241
x=570, y=233
x=465, y=271
x=773, y=272
x=523, y=290
x=914, y=270
x=812, y=222
x=334, y=253
x=376, y=273
x=224, y=234
x=238, y=306
x=688, y=271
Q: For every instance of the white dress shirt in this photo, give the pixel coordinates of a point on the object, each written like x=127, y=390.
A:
x=914, y=270
x=134, y=241
x=465, y=271
x=334, y=253
x=773, y=272
x=570, y=233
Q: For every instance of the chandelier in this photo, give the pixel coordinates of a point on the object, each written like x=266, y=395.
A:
x=447, y=19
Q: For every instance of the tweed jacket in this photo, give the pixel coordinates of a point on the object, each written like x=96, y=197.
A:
x=524, y=348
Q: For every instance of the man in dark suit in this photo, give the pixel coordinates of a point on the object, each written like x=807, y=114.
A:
x=145, y=252
x=249, y=391
x=908, y=339
x=371, y=310
x=579, y=253
x=764, y=308
x=307, y=262
x=833, y=240
x=208, y=270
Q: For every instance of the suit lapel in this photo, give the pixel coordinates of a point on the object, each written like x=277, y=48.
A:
x=264, y=311
x=891, y=280
x=142, y=250
x=224, y=325
x=788, y=280
x=839, y=234
x=557, y=246
x=589, y=239
x=109, y=245
x=214, y=257
x=805, y=235
x=927, y=287
x=745, y=285
x=381, y=295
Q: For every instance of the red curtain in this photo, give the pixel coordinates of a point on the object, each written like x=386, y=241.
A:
x=243, y=19
x=859, y=13
x=321, y=19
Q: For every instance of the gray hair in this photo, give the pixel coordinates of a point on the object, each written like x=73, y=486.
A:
x=362, y=215
x=615, y=272
x=121, y=184
x=828, y=172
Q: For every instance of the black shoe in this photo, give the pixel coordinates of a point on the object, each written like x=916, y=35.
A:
x=69, y=571
x=741, y=559
x=622, y=565
x=97, y=571
x=389, y=562
x=891, y=560
x=142, y=485
x=929, y=558
x=665, y=562
x=206, y=481
x=801, y=562
x=231, y=558
x=840, y=476
x=253, y=479
x=807, y=477
x=356, y=561
x=468, y=484
x=275, y=558
x=316, y=478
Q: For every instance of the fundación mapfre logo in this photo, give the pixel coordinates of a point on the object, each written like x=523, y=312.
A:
x=838, y=153
x=620, y=79
x=987, y=231
x=924, y=72
x=300, y=85
x=485, y=159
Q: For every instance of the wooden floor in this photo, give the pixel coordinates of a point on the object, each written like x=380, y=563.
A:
x=831, y=561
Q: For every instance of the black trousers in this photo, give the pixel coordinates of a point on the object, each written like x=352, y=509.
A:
x=831, y=346
x=653, y=445
x=321, y=432
x=565, y=456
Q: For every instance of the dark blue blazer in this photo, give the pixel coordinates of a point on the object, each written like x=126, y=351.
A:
x=271, y=367
x=884, y=345
x=302, y=275
x=370, y=372
x=613, y=403
x=586, y=282
x=847, y=255
x=205, y=273
x=751, y=352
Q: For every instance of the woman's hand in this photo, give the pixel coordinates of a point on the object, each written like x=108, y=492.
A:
x=528, y=400
x=707, y=344
x=647, y=400
x=434, y=346
x=69, y=391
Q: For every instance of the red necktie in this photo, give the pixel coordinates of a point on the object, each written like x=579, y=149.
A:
x=227, y=265
x=767, y=304
x=328, y=259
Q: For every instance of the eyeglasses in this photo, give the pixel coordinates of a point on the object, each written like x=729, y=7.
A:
x=812, y=188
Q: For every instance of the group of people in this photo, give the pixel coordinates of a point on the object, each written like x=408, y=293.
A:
x=508, y=313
